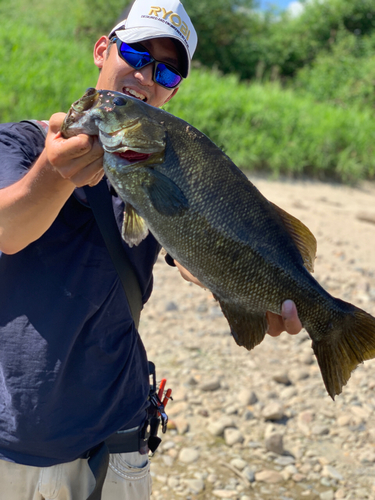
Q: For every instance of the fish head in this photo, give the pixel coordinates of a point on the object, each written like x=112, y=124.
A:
x=123, y=123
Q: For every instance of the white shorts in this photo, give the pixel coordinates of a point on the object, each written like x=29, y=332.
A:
x=128, y=478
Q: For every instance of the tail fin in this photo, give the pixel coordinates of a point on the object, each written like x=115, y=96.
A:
x=347, y=345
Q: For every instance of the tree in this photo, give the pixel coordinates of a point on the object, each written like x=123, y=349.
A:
x=228, y=32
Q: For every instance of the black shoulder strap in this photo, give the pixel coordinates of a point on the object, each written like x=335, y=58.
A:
x=100, y=201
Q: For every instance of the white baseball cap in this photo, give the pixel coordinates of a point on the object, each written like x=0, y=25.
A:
x=159, y=18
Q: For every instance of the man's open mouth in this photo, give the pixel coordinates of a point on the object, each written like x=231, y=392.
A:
x=134, y=93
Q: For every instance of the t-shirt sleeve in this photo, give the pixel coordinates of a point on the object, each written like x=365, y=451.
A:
x=169, y=260
x=20, y=145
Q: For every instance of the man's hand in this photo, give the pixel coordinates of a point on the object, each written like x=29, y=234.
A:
x=78, y=159
x=187, y=275
x=288, y=321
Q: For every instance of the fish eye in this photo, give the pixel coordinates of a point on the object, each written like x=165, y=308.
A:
x=119, y=101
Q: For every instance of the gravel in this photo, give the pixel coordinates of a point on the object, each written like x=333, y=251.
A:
x=259, y=425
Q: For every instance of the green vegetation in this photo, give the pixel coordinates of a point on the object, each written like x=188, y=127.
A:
x=45, y=67
x=277, y=93
x=236, y=39
x=270, y=128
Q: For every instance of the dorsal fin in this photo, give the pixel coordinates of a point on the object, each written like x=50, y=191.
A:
x=302, y=237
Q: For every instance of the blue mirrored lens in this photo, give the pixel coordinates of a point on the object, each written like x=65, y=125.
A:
x=134, y=57
x=166, y=77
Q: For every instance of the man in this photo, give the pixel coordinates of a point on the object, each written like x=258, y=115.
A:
x=73, y=370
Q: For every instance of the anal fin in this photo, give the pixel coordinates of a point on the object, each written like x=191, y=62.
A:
x=248, y=328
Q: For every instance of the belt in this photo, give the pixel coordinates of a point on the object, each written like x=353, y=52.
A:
x=135, y=439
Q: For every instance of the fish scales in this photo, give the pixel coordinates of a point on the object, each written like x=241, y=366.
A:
x=208, y=216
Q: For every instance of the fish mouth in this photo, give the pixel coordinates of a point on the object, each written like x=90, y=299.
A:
x=133, y=156
x=134, y=93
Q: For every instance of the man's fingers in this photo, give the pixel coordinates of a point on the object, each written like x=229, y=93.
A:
x=275, y=324
x=288, y=321
x=70, y=155
x=55, y=122
x=89, y=175
x=97, y=178
x=289, y=315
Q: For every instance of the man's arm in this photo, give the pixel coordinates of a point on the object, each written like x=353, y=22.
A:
x=29, y=206
x=288, y=321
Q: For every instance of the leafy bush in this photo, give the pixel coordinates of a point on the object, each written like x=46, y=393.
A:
x=270, y=128
x=291, y=43
x=228, y=34
x=345, y=75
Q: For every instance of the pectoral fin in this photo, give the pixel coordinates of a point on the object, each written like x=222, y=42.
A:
x=166, y=197
x=302, y=237
x=134, y=228
x=248, y=328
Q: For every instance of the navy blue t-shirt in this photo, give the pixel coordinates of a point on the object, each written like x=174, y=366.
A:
x=73, y=368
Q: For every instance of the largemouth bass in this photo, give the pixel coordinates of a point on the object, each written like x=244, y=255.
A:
x=208, y=216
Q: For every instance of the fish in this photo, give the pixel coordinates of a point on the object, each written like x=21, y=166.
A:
x=251, y=254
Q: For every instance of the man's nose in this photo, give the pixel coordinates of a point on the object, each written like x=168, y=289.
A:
x=145, y=74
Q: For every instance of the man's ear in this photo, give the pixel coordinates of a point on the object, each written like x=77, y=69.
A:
x=171, y=95
x=100, y=49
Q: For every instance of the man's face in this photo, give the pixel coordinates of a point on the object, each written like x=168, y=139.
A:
x=117, y=75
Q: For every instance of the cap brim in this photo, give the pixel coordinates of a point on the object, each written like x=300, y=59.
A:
x=135, y=35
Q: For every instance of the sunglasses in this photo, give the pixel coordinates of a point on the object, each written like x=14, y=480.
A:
x=137, y=57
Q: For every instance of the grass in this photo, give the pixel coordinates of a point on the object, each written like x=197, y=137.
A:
x=45, y=70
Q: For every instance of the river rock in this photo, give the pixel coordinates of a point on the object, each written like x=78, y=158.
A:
x=327, y=495
x=269, y=476
x=196, y=486
x=274, y=443
x=273, y=411
x=233, y=436
x=188, y=455
x=249, y=474
x=210, y=385
x=331, y=472
x=217, y=427
x=238, y=463
x=247, y=397
x=173, y=482
x=281, y=378
x=182, y=425
x=225, y=493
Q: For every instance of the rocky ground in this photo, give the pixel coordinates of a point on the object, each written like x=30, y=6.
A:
x=260, y=425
